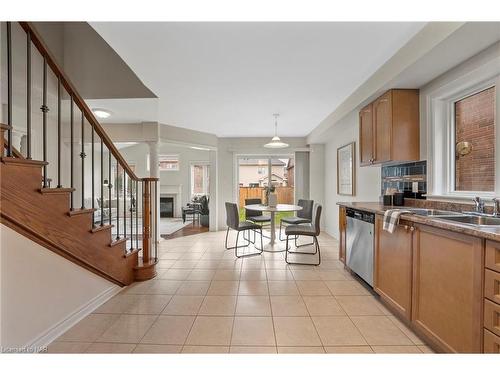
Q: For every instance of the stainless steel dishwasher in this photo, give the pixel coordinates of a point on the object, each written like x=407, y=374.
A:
x=359, y=241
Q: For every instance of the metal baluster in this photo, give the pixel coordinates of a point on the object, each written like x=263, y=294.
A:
x=136, y=214
x=92, y=176
x=82, y=156
x=102, y=183
x=44, y=109
x=110, y=186
x=71, y=125
x=28, y=94
x=124, y=205
x=59, y=133
x=117, y=203
x=9, y=88
x=130, y=184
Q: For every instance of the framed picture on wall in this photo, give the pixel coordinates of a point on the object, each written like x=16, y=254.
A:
x=345, y=169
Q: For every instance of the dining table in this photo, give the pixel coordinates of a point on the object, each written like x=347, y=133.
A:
x=272, y=246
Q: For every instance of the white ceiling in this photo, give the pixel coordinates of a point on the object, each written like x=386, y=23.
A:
x=229, y=78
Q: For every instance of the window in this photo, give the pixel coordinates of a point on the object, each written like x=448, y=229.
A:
x=199, y=179
x=262, y=170
x=474, y=120
x=463, y=137
x=168, y=162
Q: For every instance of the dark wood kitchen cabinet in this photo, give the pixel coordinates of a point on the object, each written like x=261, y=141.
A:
x=389, y=128
x=342, y=234
x=366, y=135
x=393, y=266
x=447, y=288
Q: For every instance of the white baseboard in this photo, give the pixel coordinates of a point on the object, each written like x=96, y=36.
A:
x=59, y=328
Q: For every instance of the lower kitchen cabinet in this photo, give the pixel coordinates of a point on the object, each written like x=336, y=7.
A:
x=491, y=343
x=393, y=266
x=342, y=234
x=447, y=289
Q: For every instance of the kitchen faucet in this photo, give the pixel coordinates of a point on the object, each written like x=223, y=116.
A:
x=496, y=207
x=479, y=205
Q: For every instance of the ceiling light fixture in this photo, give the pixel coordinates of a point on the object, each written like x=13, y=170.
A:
x=101, y=113
x=276, y=141
x=199, y=148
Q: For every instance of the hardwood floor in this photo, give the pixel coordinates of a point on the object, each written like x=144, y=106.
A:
x=188, y=230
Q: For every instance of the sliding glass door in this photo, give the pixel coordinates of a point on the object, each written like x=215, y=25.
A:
x=257, y=175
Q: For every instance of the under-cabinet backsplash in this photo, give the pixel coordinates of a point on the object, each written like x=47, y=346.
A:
x=402, y=177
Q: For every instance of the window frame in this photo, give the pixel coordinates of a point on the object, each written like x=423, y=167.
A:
x=206, y=180
x=172, y=156
x=437, y=104
x=451, y=161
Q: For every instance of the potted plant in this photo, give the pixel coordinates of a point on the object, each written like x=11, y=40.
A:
x=204, y=211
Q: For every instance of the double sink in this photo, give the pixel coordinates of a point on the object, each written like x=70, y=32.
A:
x=480, y=220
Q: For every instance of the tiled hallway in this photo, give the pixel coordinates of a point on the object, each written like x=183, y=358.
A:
x=205, y=301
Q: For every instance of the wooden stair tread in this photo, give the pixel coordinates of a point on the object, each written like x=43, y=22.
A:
x=117, y=242
x=23, y=162
x=5, y=126
x=56, y=190
x=101, y=227
x=81, y=211
x=131, y=252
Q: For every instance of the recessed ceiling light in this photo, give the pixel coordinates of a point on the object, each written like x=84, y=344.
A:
x=101, y=113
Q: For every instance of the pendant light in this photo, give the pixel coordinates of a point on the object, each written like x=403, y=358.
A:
x=276, y=141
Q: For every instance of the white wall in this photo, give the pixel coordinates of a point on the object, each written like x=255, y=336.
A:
x=367, y=178
x=317, y=173
x=42, y=293
x=138, y=155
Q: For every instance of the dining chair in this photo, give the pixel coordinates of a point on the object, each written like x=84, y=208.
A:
x=256, y=216
x=233, y=222
x=304, y=216
x=310, y=230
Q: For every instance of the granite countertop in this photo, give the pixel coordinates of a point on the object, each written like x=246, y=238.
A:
x=490, y=233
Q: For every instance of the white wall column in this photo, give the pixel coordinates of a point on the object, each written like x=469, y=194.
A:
x=213, y=226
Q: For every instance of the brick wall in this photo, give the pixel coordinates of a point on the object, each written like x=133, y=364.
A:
x=475, y=123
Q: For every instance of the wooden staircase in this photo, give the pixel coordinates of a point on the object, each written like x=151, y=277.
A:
x=45, y=215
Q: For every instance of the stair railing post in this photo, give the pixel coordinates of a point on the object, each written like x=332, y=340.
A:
x=146, y=223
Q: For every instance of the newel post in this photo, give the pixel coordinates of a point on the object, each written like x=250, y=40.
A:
x=146, y=268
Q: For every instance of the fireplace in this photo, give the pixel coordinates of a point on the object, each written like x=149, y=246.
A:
x=166, y=207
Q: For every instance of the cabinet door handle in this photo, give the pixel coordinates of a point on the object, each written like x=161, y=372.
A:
x=412, y=228
x=383, y=100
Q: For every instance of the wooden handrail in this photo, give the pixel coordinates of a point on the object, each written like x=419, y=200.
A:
x=77, y=99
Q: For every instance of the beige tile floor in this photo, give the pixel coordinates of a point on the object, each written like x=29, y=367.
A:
x=204, y=300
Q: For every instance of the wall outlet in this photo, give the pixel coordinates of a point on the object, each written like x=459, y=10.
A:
x=414, y=187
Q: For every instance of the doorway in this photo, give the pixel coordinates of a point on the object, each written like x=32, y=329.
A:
x=257, y=175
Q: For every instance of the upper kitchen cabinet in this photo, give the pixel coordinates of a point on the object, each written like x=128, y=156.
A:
x=389, y=128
